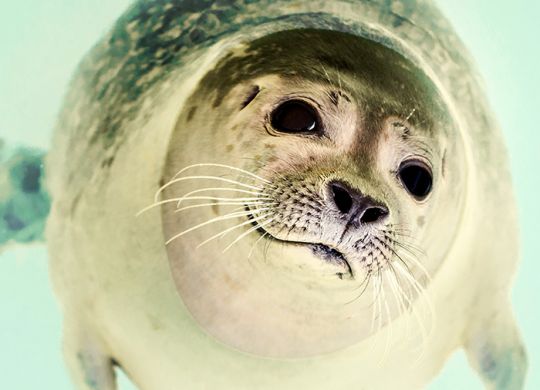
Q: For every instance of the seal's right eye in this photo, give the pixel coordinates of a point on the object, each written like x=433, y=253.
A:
x=295, y=116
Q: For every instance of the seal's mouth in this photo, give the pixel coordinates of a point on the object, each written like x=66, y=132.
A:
x=323, y=251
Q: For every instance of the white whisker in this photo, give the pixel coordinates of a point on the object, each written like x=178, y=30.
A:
x=216, y=219
x=221, y=234
x=218, y=189
x=222, y=166
x=411, y=114
x=233, y=201
x=389, y=324
x=223, y=204
x=421, y=297
x=180, y=179
x=414, y=260
x=155, y=204
x=255, y=244
x=257, y=226
x=224, y=199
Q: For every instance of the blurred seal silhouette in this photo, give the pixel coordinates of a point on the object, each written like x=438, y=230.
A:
x=281, y=194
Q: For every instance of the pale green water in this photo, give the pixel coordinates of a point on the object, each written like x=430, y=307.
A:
x=41, y=42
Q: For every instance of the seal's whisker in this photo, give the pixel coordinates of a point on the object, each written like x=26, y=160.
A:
x=389, y=324
x=364, y=284
x=255, y=244
x=379, y=304
x=224, y=232
x=250, y=201
x=339, y=79
x=411, y=247
x=373, y=314
x=394, y=285
x=155, y=204
x=406, y=301
x=411, y=256
x=326, y=73
x=204, y=177
x=414, y=261
x=423, y=331
x=223, y=199
x=242, y=176
x=257, y=226
x=402, y=308
x=226, y=189
x=223, y=204
x=421, y=296
x=399, y=258
x=411, y=114
x=216, y=219
x=251, y=174
x=374, y=301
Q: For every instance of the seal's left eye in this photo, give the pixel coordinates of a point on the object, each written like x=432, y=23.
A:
x=417, y=178
x=295, y=116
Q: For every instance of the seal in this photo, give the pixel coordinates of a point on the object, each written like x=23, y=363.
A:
x=283, y=200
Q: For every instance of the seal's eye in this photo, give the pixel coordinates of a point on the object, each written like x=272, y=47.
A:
x=295, y=116
x=417, y=178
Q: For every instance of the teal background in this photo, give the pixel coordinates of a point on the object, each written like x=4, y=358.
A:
x=40, y=45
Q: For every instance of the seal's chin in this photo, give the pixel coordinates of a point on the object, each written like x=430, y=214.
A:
x=328, y=254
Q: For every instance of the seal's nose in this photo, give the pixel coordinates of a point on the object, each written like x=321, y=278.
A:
x=351, y=202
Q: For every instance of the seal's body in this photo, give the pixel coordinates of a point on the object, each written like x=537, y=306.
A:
x=353, y=221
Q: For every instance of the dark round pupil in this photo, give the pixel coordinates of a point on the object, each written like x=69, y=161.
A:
x=416, y=179
x=294, y=116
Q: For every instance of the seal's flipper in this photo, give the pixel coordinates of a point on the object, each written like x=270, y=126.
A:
x=24, y=202
x=496, y=352
x=88, y=362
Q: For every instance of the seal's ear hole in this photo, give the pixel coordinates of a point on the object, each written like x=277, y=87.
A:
x=417, y=178
x=253, y=92
x=295, y=116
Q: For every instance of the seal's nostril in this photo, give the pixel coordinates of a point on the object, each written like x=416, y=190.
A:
x=342, y=199
x=373, y=214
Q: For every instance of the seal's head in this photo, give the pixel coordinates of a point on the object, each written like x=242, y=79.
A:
x=339, y=192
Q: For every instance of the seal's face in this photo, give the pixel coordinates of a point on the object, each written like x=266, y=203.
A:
x=341, y=193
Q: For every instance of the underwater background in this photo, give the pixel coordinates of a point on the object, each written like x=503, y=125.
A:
x=41, y=43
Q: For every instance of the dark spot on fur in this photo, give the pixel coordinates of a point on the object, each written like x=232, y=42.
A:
x=398, y=20
x=443, y=164
x=107, y=162
x=402, y=129
x=215, y=208
x=191, y=112
x=344, y=96
x=13, y=222
x=30, y=181
x=271, y=159
x=334, y=97
x=115, y=363
x=217, y=101
x=252, y=95
x=421, y=220
x=229, y=148
x=75, y=203
x=197, y=35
